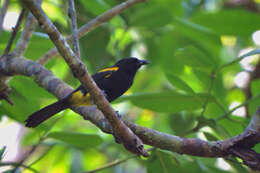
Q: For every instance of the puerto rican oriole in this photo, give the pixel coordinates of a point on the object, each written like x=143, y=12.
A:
x=114, y=81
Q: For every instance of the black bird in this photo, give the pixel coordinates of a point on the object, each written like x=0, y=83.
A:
x=114, y=81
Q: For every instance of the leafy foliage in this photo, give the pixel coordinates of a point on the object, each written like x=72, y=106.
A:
x=194, y=48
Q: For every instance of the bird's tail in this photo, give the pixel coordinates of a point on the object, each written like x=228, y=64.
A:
x=38, y=117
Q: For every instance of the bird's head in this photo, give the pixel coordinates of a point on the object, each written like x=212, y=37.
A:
x=131, y=65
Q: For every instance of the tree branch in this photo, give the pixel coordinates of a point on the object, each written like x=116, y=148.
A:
x=4, y=89
x=192, y=146
x=26, y=35
x=18, y=165
x=92, y=25
x=130, y=141
x=111, y=164
x=73, y=17
x=15, y=30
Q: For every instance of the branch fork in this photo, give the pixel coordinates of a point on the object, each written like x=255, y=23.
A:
x=128, y=138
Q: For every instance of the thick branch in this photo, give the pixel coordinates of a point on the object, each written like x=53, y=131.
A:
x=250, y=5
x=235, y=146
x=43, y=77
x=127, y=137
x=92, y=25
x=4, y=90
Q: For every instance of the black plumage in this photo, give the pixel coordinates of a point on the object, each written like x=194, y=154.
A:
x=114, y=81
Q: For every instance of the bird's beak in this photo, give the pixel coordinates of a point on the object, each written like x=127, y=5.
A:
x=143, y=62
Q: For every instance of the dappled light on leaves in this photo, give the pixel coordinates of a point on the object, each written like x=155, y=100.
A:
x=202, y=85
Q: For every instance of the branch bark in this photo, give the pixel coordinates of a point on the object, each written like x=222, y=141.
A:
x=4, y=89
x=73, y=17
x=130, y=141
x=238, y=146
x=15, y=30
x=26, y=34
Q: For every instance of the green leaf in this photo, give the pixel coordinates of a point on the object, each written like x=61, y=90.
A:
x=255, y=89
x=237, y=166
x=38, y=45
x=27, y=96
x=77, y=139
x=95, y=7
x=167, y=101
x=160, y=161
x=179, y=83
x=98, y=7
x=166, y=45
x=210, y=137
x=5, y=35
x=195, y=58
x=153, y=16
x=237, y=95
x=207, y=40
x=179, y=120
x=229, y=22
x=91, y=53
x=254, y=103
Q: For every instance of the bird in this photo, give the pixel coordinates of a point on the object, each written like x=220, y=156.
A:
x=113, y=81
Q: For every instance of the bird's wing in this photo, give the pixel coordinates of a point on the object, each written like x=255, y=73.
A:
x=99, y=77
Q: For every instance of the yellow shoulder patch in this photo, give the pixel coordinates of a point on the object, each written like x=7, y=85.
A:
x=79, y=99
x=109, y=69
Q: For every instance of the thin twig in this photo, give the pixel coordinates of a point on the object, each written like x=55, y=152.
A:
x=15, y=30
x=73, y=17
x=26, y=34
x=18, y=165
x=41, y=156
x=29, y=153
x=230, y=63
x=112, y=164
x=212, y=79
x=238, y=106
x=2, y=14
x=91, y=25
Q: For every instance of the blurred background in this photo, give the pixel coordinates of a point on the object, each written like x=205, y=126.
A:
x=191, y=88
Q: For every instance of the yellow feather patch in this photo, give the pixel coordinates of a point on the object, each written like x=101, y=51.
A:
x=109, y=69
x=78, y=99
